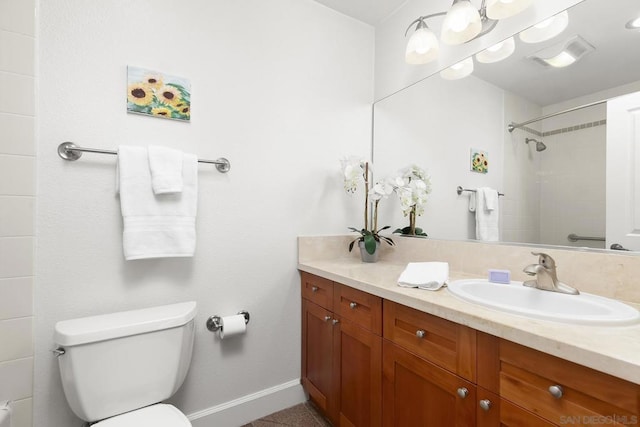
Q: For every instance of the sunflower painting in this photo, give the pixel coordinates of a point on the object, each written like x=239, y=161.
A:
x=479, y=161
x=157, y=94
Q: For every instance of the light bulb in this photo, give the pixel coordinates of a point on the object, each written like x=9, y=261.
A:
x=422, y=47
x=461, y=24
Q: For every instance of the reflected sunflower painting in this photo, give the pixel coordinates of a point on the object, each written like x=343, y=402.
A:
x=479, y=161
x=158, y=94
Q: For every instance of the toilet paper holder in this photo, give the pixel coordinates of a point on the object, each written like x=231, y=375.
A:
x=214, y=322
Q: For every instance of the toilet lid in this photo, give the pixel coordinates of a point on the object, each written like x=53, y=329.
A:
x=158, y=415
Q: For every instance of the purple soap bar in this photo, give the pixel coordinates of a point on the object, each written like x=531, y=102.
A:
x=500, y=276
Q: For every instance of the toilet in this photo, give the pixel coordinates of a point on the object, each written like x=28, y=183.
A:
x=116, y=368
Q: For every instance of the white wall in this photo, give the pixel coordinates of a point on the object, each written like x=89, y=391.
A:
x=434, y=124
x=282, y=89
x=393, y=73
x=17, y=203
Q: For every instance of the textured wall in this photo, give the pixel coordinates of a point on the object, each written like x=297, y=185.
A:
x=17, y=205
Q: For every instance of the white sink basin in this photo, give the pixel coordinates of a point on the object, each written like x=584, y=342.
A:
x=514, y=298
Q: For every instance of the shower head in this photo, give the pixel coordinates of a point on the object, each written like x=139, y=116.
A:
x=539, y=144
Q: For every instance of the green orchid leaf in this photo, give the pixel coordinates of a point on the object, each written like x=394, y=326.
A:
x=370, y=243
x=388, y=240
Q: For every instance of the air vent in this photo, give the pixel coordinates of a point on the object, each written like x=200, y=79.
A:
x=562, y=54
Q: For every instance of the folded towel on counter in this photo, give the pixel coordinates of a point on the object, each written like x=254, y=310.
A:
x=156, y=226
x=424, y=275
x=487, y=220
x=165, y=165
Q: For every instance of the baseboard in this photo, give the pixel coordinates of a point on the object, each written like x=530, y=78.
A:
x=250, y=407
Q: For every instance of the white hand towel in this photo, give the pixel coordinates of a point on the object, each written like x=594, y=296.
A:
x=490, y=198
x=166, y=169
x=424, y=275
x=156, y=226
x=472, y=202
x=487, y=228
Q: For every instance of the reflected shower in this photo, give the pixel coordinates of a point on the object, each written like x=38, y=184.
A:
x=539, y=144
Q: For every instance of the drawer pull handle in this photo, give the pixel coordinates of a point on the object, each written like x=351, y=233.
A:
x=327, y=318
x=353, y=305
x=420, y=333
x=485, y=404
x=335, y=321
x=556, y=391
x=463, y=392
x=314, y=289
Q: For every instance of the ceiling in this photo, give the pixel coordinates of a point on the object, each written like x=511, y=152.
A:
x=368, y=11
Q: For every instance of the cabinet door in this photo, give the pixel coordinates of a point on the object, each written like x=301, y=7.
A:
x=317, y=351
x=419, y=393
x=358, y=362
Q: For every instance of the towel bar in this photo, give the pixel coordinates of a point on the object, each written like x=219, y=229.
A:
x=459, y=190
x=70, y=151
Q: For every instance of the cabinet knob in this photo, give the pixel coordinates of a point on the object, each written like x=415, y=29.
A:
x=314, y=289
x=335, y=321
x=463, y=392
x=327, y=318
x=420, y=333
x=353, y=305
x=556, y=391
x=485, y=404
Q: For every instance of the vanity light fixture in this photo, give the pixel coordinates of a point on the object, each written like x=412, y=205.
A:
x=563, y=54
x=423, y=45
x=458, y=71
x=547, y=29
x=634, y=24
x=497, y=52
x=500, y=9
x=462, y=23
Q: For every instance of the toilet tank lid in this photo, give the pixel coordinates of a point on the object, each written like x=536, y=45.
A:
x=125, y=323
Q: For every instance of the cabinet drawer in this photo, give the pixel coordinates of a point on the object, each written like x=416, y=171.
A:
x=359, y=307
x=530, y=379
x=447, y=344
x=317, y=290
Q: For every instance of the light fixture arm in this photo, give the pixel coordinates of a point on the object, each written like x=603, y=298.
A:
x=421, y=23
x=487, y=24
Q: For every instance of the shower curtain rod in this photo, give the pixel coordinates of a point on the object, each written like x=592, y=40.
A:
x=513, y=126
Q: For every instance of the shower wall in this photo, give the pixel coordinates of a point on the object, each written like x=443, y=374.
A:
x=572, y=178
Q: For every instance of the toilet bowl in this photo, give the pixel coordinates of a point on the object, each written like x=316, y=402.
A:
x=117, y=368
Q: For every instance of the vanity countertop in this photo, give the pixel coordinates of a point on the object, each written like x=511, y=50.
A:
x=613, y=350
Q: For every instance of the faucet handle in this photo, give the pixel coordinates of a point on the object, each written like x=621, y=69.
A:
x=545, y=260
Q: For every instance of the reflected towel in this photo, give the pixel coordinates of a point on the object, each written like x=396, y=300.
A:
x=487, y=221
x=156, y=226
x=424, y=275
x=165, y=165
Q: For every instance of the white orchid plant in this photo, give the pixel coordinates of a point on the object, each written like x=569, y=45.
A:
x=412, y=185
x=356, y=172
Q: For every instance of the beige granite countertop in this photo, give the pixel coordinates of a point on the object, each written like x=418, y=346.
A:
x=613, y=350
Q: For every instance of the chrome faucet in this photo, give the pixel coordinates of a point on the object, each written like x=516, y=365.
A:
x=546, y=277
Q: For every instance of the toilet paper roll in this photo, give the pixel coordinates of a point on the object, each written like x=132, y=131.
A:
x=5, y=414
x=232, y=326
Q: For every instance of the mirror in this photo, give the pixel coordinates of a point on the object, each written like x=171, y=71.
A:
x=552, y=189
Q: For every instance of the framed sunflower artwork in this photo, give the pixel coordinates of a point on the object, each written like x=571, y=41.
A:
x=158, y=94
x=479, y=161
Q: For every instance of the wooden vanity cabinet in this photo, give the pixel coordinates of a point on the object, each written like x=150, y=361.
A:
x=342, y=352
x=372, y=362
x=429, y=370
x=548, y=390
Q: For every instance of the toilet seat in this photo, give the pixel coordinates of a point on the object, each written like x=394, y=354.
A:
x=158, y=415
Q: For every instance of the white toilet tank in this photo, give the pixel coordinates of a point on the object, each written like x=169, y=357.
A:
x=115, y=363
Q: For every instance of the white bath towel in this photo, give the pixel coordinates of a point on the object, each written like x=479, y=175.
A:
x=487, y=221
x=165, y=165
x=424, y=275
x=156, y=226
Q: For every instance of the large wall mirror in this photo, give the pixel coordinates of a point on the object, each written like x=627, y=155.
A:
x=556, y=174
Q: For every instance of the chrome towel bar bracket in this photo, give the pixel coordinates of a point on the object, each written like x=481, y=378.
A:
x=70, y=151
